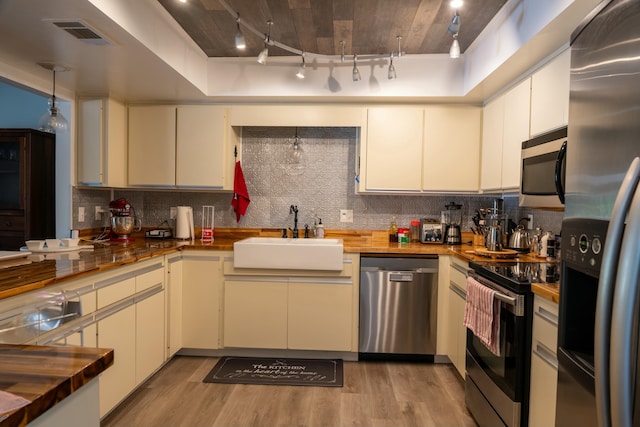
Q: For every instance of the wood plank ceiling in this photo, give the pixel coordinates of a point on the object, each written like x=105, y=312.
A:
x=318, y=26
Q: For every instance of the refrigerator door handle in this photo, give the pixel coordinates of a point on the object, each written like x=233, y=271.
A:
x=606, y=286
x=624, y=341
x=559, y=168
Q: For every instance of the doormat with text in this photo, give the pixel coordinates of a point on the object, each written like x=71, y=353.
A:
x=276, y=371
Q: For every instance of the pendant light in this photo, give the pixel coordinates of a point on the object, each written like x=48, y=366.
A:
x=454, y=52
x=301, y=70
x=53, y=121
x=391, y=74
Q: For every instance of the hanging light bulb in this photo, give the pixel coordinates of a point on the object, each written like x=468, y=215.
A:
x=356, y=73
x=301, y=70
x=241, y=43
x=264, y=54
x=297, y=153
x=53, y=121
x=392, y=70
x=454, y=52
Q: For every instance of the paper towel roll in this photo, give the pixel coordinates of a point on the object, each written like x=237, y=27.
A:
x=184, y=222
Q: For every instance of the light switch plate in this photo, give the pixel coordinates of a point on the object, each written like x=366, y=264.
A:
x=346, y=215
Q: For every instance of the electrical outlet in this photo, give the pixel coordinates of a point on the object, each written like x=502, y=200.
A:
x=80, y=214
x=98, y=213
x=346, y=215
x=530, y=222
x=173, y=212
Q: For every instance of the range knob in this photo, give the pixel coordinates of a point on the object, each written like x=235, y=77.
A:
x=583, y=243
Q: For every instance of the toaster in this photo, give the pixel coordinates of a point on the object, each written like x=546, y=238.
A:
x=430, y=230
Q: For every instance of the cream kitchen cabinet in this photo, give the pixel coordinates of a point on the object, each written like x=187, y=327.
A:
x=550, y=95
x=181, y=146
x=152, y=146
x=412, y=149
x=391, y=159
x=292, y=309
x=505, y=127
x=201, y=297
x=457, y=301
x=102, y=143
x=451, y=142
x=255, y=313
x=174, y=303
x=544, y=363
x=320, y=316
x=117, y=331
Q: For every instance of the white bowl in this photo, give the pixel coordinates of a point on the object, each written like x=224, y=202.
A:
x=70, y=242
x=52, y=243
x=35, y=245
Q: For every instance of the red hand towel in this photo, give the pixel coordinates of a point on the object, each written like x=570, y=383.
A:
x=482, y=314
x=240, y=200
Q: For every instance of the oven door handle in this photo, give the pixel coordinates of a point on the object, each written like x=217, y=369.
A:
x=506, y=298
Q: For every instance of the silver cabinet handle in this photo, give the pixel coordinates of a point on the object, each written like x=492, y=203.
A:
x=462, y=270
x=546, y=355
x=545, y=314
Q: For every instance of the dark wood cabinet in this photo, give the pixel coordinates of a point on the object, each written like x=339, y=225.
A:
x=27, y=187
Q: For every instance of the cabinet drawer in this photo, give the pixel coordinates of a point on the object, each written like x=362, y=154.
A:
x=150, y=278
x=545, y=323
x=11, y=222
x=458, y=274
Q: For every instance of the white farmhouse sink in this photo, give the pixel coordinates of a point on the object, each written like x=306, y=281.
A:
x=294, y=254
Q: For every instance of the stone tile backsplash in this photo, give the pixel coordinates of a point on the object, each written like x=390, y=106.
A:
x=320, y=182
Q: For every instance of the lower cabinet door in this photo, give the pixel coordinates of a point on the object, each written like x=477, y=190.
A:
x=255, y=314
x=543, y=391
x=150, y=347
x=320, y=316
x=118, y=332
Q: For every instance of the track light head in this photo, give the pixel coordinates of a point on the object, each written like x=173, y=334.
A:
x=301, y=70
x=454, y=26
x=264, y=54
x=355, y=73
x=391, y=74
x=454, y=52
x=241, y=43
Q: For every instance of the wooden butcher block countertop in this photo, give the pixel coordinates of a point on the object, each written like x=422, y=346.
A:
x=45, y=376
x=38, y=272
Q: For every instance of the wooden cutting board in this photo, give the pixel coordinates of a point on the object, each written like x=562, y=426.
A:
x=505, y=253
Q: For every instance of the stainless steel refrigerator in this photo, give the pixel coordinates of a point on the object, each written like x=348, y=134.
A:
x=598, y=331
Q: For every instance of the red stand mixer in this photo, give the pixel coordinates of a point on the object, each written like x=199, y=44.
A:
x=123, y=221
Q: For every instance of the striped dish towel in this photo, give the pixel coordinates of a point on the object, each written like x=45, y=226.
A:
x=482, y=314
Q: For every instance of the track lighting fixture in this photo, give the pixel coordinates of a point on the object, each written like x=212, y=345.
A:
x=356, y=73
x=53, y=121
x=264, y=54
x=301, y=70
x=454, y=52
x=454, y=27
x=240, y=40
x=391, y=74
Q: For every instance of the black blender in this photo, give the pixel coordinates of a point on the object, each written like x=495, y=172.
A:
x=451, y=221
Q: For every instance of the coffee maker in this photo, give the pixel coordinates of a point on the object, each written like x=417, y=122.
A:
x=123, y=221
x=451, y=221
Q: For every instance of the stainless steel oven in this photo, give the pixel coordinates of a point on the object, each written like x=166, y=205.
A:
x=497, y=387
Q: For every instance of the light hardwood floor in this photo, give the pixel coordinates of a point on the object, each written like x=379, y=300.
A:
x=374, y=394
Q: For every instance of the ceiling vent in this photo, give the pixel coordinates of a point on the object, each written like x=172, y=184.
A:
x=80, y=30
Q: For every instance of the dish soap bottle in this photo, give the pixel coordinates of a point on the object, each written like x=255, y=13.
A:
x=393, y=231
x=320, y=230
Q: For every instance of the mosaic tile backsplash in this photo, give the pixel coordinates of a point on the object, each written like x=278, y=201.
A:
x=320, y=182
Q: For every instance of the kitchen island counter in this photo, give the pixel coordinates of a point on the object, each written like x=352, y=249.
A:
x=45, y=376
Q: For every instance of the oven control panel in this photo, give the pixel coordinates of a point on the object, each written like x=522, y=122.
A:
x=583, y=242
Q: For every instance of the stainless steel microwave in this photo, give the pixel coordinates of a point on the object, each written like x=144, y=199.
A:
x=543, y=169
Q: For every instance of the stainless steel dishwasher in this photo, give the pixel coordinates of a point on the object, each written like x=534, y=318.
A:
x=398, y=306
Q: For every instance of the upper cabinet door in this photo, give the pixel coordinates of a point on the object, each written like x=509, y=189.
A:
x=516, y=130
x=200, y=146
x=102, y=143
x=152, y=146
x=550, y=95
x=451, y=143
x=394, y=149
x=492, y=136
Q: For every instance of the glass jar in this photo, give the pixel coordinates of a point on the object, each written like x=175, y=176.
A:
x=415, y=231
